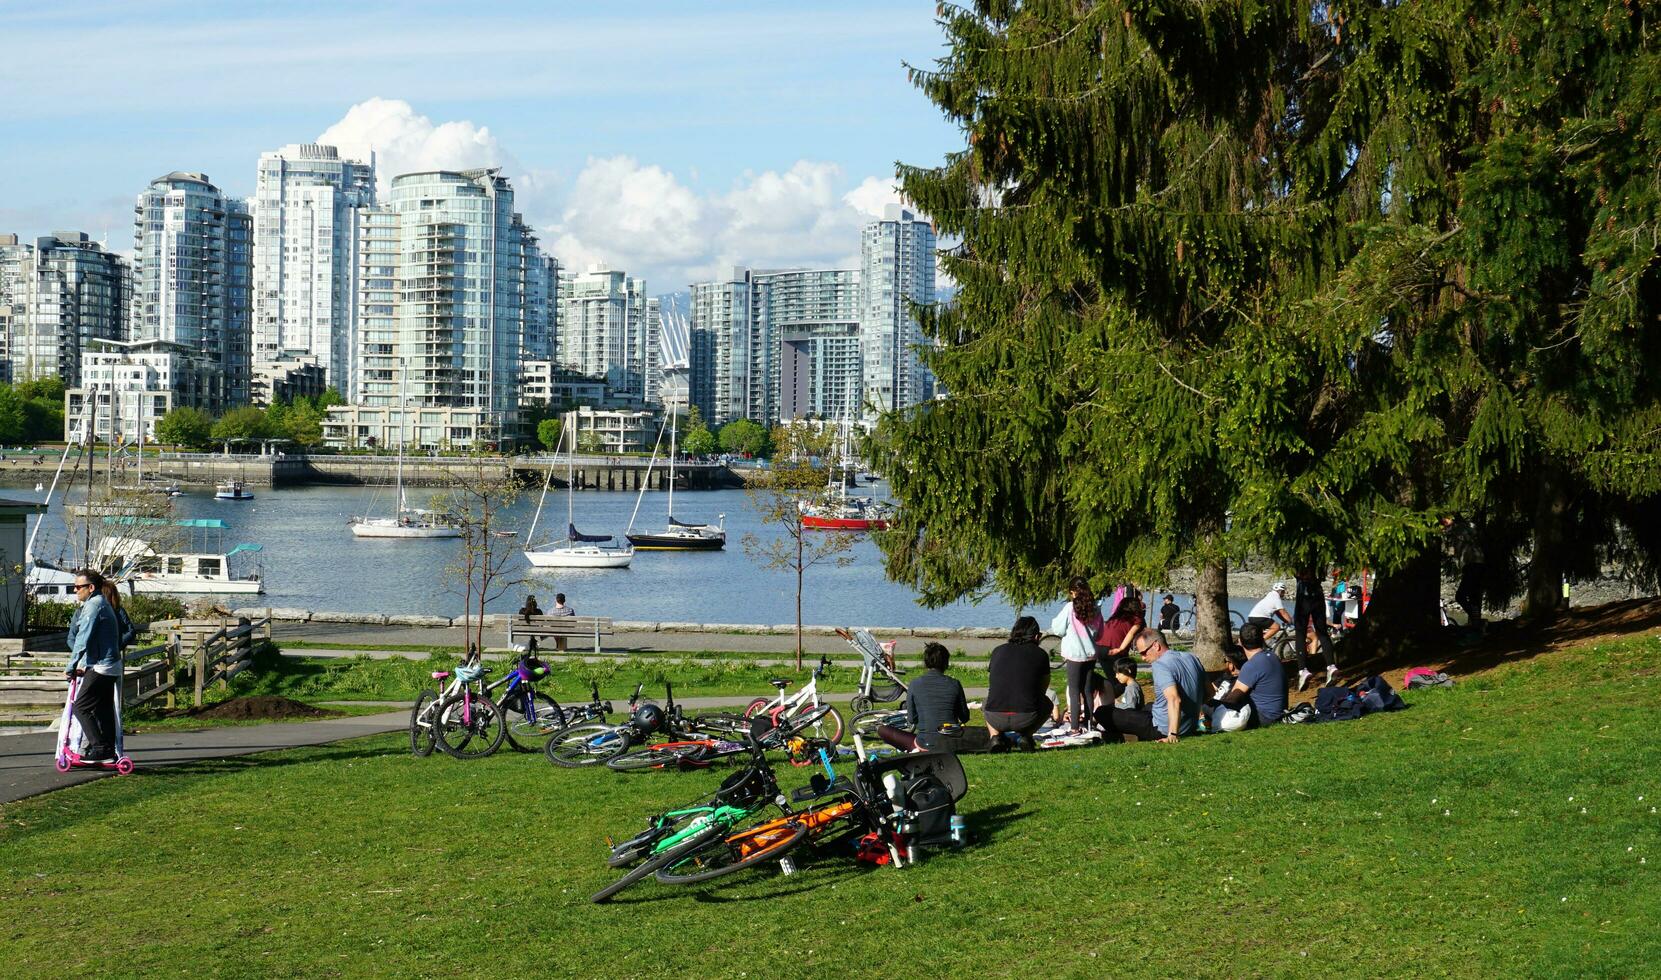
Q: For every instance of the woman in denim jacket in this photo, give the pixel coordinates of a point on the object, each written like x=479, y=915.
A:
x=95, y=657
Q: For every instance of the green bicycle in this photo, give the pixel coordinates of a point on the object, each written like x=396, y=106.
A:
x=672, y=836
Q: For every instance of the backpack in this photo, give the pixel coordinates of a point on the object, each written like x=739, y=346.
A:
x=1337, y=704
x=1376, y=694
x=1425, y=677
x=932, y=808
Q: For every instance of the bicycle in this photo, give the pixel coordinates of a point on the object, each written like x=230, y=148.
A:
x=724, y=733
x=806, y=699
x=676, y=833
x=876, y=660
x=529, y=715
x=452, y=719
x=575, y=746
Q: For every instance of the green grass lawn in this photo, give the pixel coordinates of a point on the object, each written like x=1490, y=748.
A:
x=1500, y=828
x=397, y=679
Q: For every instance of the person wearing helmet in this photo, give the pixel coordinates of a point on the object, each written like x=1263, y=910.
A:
x=1270, y=611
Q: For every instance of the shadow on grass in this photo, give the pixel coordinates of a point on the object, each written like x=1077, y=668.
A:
x=256, y=760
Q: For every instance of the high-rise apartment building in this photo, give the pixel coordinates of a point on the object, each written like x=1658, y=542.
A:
x=192, y=260
x=305, y=208
x=606, y=329
x=722, y=349
x=776, y=344
x=57, y=295
x=896, y=270
x=460, y=301
x=539, y=277
x=373, y=375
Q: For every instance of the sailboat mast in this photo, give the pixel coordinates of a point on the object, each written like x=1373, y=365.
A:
x=570, y=475
x=674, y=418
x=403, y=436
x=92, y=459
x=547, y=478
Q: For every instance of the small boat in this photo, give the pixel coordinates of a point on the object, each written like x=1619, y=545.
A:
x=171, y=490
x=846, y=514
x=578, y=550
x=406, y=521
x=40, y=488
x=231, y=490
x=204, y=569
x=678, y=535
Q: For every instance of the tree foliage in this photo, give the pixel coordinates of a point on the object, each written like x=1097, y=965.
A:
x=744, y=436
x=549, y=432
x=241, y=425
x=185, y=426
x=1284, y=278
x=476, y=500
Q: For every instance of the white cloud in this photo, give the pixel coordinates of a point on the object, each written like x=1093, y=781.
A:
x=404, y=141
x=637, y=216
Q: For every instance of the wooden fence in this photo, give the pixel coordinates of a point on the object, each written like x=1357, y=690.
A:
x=208, y=651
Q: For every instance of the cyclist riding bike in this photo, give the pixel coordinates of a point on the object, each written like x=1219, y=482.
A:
x=1270, y=611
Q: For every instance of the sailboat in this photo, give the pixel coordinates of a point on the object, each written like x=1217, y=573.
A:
x=838, y=511
x=407, y=521
x=678, y=536
x=578, y=550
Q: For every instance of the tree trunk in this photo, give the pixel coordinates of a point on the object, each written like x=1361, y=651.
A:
x=1403, y=611
x=1212, y=628
x=1552, y=527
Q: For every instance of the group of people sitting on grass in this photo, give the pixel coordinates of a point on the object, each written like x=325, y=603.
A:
x=1019, y=701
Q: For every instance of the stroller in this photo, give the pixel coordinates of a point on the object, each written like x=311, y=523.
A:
x=877, y=666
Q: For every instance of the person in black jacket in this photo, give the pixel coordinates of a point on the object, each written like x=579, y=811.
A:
x=934, y=705
x=1018, y=675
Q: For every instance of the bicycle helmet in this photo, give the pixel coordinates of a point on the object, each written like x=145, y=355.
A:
x=468, y=673
x=746, y=787
x=1279, y=587
x=648, y=718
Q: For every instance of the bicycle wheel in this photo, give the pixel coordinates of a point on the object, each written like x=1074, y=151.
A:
x=865, y=723
x=637, y=847
x=722, y=723
x=648, y=758
x=472, y=733
x=713, y=832
x=1237, y=618
x=526, y=733
x=586, y=745
x=860, y=704
x=822, y=722
x=754, y=706
x=722, y=856
x=421, y=742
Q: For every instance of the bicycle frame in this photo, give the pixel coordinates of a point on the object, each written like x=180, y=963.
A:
x=806, y=698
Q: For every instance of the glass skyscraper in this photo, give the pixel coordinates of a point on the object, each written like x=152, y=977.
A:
x=896, y=269
x=58, y=295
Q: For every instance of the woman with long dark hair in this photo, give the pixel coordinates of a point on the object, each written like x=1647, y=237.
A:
x=95, y=657
x=1079, y=623
x=1017, y=677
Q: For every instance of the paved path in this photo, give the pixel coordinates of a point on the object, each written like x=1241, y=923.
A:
x=26, y=760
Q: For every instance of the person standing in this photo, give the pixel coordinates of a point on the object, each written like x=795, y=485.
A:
x=1017, y=676
x=94, y=657
x=1079, y=623
x=1178, y=681
x=1309, y=608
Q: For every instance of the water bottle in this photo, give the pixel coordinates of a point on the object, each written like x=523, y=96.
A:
x=959, y=837
x=787, y=866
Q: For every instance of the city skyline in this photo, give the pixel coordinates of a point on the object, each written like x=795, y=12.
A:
x=700, y=142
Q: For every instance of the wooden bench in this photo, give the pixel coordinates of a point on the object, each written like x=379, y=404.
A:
x=522, y=629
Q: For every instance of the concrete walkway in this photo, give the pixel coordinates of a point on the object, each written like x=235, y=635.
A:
x=26, y=767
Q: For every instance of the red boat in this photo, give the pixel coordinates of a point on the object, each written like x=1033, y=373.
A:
x=846, y=514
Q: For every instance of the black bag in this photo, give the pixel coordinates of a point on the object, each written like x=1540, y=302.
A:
x=1376, y=694
x=1337, y=704
x=931, y=809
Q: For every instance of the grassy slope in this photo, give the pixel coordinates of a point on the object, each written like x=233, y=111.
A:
x=1493, y=829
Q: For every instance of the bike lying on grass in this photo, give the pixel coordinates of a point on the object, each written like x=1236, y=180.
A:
x=878, y=816
x=724, y=737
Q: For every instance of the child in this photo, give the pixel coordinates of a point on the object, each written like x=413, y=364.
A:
x=1124, y=671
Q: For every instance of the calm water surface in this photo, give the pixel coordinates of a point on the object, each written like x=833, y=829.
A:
x=311, y=561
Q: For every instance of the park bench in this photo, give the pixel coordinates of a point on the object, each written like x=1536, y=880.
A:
x=522, y=629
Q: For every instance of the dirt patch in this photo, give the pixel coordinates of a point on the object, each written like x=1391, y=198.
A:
x=1512, y=640
x=261, y=707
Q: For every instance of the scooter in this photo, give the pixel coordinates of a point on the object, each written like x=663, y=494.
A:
x=69, y=744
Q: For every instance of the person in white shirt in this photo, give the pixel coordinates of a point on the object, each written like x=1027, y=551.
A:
x=1270, y=611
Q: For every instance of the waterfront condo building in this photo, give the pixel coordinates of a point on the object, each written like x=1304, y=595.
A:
x=191, y=270
x=608, y=328
x=305, y=209
x=772, y=345
x=440, y=312
x=896, y=270
x=57, y=295
x=127, y=385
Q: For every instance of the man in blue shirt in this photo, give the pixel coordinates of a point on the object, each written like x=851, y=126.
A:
x=1262, y=681
x=1177, y=682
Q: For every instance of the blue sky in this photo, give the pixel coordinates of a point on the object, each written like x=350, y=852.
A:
x=667, y=138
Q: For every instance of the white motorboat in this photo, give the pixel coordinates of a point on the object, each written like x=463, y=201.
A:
x=203, y=569
x=578, y=550
x=232, y=490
